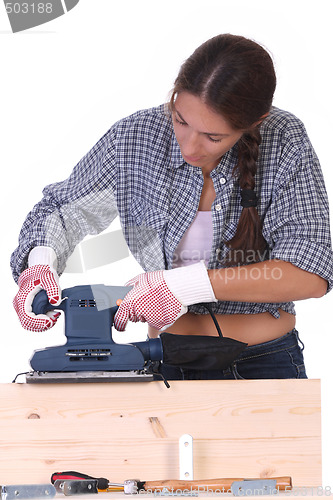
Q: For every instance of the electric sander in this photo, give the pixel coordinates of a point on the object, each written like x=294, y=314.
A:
x=91, y=355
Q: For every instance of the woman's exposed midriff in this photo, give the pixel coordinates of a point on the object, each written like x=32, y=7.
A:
x=250, y=328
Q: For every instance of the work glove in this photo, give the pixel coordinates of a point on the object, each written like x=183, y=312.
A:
x=38, y=277
x=161, y=297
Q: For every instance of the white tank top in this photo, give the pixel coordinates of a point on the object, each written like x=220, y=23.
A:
x=196, y=244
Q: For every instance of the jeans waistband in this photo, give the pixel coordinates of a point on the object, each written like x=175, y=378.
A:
x=289, y=340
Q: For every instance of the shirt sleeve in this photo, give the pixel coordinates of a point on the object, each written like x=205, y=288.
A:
x=297, y=226
x=69, y=210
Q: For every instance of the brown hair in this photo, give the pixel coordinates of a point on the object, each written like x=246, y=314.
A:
x=235, y=77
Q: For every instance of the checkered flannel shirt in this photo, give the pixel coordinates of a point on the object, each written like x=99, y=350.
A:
x=136, y=171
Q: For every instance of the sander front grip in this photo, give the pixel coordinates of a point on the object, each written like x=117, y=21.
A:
x=220, y=484
x=41, y=304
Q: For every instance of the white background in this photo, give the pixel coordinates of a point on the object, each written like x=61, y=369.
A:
x=64, y=84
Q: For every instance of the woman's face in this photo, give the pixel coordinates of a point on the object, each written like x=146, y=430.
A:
x=202, y=134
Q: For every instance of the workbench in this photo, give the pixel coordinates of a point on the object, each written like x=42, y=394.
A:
x=241, y=428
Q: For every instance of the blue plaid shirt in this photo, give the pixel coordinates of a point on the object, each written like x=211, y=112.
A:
x=136, y=171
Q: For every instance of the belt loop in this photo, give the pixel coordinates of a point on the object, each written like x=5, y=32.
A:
x=299, y=340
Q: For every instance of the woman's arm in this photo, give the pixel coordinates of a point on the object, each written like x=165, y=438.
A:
x=69, y=210
x=268, y=281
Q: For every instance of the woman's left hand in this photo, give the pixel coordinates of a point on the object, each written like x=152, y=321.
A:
x=159, y=298
x=150, y=301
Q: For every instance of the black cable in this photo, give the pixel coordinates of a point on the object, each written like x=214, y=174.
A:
x=219, y=331
x=155, y=370
x=22, y=373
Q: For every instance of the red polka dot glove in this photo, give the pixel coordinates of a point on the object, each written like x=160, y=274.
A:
x=161, y=297
x=31, y=281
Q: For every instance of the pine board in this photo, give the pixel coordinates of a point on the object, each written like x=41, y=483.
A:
x=252, y=428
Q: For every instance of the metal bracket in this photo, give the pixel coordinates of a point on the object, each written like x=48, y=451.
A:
x=186, y=457
x=76, y=486
x=79, y=487
x=26, y=491
x=250, y=487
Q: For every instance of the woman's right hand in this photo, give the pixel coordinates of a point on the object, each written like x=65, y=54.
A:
x=31, y=281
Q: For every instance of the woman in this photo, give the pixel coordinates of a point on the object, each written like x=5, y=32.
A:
x=221, y=200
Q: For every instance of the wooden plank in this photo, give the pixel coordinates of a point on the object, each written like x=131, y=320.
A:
x=260, y=428
x=152, y=460
x=256, y=402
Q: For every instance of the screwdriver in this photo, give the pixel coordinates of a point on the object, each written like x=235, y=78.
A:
x=103, y=484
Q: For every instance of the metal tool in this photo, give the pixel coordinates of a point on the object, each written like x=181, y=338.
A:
x=236, y=486
x=62, y=480
x=81, y=486
x=249, y=487
x=27, y=491
x=76, y=487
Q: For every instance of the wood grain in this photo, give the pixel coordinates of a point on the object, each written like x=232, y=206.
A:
x=257, y=428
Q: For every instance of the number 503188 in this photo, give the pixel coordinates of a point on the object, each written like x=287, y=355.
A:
x=28, y=8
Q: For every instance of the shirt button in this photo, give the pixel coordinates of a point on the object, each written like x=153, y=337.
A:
x=223, y=180
x=218, y=207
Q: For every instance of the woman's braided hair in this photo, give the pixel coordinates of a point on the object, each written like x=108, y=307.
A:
x=235, y=77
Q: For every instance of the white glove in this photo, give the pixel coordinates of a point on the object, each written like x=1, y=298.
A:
x=40, y=275
x=161, y=297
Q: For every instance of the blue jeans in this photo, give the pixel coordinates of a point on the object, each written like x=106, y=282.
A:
x=279, y=358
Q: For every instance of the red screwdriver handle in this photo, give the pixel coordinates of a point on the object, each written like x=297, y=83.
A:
x=102, y=482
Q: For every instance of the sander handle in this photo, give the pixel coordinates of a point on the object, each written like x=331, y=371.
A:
x=41, y=304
